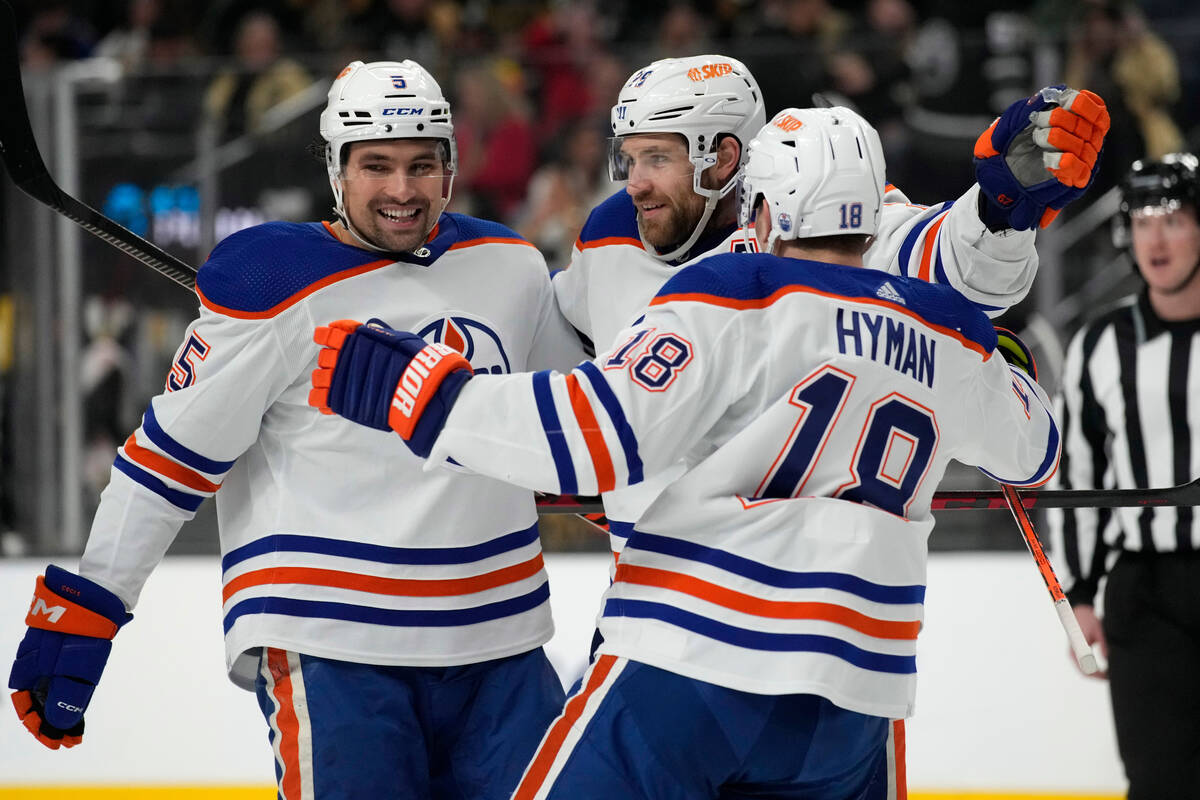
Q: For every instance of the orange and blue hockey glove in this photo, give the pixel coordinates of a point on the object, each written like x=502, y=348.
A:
x=59, y=662
x=387, y=380
x=1038, y=156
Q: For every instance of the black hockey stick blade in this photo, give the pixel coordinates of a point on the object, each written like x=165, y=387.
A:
x=19, y=152
x=1187, y=494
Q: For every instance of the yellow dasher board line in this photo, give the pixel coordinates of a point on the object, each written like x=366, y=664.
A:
x=268, y=792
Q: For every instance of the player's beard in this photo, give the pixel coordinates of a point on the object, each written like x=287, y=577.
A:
x=373, y=227
x=674, y=223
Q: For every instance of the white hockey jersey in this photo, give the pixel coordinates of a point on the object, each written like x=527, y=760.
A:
x=334, y=542
x=611, y=279
x=816, y=408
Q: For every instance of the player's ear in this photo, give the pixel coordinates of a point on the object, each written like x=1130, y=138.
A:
x=762, y=223
x=729, y=155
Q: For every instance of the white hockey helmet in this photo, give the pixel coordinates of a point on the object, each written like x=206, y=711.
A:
x=700, y=98
x=821, y=171
x=384, y=100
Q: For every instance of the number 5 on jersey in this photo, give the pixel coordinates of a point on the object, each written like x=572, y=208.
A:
x=183, y=371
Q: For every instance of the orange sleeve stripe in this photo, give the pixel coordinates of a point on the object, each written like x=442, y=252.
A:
x=543, y=760
x=489, y=240
x=315, y=286
x=608, y=241
x=597, y=448
x=774, y=609
x=394, y=587
x=930, y=248
x=164, y=466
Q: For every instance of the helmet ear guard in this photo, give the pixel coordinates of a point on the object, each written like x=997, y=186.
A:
x=821, y=171
x=701, y=98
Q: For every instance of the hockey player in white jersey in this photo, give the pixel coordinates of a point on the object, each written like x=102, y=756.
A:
x=680, y=126
x=390, y=621
x=760, y=632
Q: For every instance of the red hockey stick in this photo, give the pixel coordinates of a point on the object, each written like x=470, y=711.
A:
x=1079, y=646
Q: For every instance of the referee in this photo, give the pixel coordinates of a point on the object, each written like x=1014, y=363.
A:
x=1130, y=411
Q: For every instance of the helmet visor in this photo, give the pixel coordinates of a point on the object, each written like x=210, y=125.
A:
x=654, y=157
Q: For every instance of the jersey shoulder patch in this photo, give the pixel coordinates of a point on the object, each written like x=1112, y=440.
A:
x=614, y=221
x=261, y=270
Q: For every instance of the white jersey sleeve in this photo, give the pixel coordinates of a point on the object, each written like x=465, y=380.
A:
x=226, y=374
x=815, y=409
x=948, y=243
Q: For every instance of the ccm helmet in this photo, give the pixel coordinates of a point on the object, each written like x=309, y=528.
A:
x=1162, y=185
x=821, y=172
x=699, y=97
x=384, y=100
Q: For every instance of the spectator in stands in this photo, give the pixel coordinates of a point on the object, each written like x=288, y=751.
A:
x=564, y=190
x=497, y=150
x=259, y=79
x=1116, y=56
x=787, y=50
x=870, y=70
x=56, y=33
x=560, y=49
x=130, y=43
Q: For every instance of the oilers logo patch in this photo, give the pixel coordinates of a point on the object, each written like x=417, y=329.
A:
x=476, y=339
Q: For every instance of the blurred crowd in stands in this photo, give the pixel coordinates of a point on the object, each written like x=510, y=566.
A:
x=531, y=82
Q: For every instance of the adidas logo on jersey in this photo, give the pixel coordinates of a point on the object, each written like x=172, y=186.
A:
x=888, y=292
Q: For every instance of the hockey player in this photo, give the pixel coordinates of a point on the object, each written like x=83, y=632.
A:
x=390, y=621
x=760, y=633
x=680, y=127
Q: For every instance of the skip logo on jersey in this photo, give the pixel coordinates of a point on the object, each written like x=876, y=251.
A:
x=475, y=338
x=889, y=293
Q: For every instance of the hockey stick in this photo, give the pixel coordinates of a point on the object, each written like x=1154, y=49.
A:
x=1079, y=645
x=1186, y=494
x=19, y=152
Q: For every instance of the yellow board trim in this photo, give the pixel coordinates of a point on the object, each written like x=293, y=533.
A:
x=268, y=792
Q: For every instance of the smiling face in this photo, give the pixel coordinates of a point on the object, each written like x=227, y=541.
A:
x=1166, y=246
x=393, y=191
x=661, y=185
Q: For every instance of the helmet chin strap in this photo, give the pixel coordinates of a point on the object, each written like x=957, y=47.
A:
x=339, y=211
x=710, y=205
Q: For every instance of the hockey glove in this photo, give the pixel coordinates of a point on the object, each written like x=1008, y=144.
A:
x=59, y=662
x=1015, y=352
x=387, y=380
x=1038, y=156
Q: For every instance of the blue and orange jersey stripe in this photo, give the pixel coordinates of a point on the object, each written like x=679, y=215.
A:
x=761, y=607
x=375, y=584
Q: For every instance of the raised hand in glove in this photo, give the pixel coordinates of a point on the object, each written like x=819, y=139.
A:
x=1038, y=156
x=59, y=662
x=387, y=380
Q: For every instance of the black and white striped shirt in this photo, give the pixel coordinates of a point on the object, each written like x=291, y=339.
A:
x=1130, y=384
